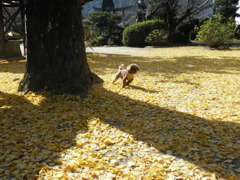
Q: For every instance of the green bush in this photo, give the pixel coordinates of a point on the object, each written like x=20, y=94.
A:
x=215, y=31
x=135, y=35
x=157, y=37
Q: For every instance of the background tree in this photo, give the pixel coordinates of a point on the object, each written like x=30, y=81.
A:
x=107, y=27
x=56, y=59
x=165, y=10
x=227, y=8
x=141, y=11
x=173, y=13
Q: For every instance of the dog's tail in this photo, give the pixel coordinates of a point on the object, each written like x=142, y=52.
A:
x=122, y=66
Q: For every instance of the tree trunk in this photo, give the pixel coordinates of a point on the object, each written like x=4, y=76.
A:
x=56, y=58
x=1, y=32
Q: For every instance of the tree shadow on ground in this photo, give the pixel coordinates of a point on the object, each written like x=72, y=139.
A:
x=37, y=134
x=32, y=135
x=12, y=66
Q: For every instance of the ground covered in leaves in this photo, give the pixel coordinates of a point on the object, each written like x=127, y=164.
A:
x=180, y=119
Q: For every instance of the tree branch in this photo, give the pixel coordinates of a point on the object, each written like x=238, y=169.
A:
x=201, y=7
x=82, y=2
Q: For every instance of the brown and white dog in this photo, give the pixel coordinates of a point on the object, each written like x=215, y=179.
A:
x=127, y=74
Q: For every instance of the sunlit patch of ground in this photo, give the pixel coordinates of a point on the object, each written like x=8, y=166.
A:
x=180, y=119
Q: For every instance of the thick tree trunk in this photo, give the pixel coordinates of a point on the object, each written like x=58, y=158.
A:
x=56, y=58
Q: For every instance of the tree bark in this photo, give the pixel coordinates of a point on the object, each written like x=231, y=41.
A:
x=1, y=32
x=56, y=58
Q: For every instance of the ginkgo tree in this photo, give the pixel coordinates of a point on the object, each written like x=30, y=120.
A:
x=56, y=58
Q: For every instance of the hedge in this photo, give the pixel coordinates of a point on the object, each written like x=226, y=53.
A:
x=135, y=34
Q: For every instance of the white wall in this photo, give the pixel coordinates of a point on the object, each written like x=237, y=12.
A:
x=238, y=18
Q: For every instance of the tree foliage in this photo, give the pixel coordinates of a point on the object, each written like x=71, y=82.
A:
x=215, y=31
x=165, y=10
x=104, y=21
x=106, y=24
x=90, y=34
x=227, y=8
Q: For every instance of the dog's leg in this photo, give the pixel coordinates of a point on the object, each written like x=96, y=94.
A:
x=129, y=81
x=124, y=82
x=117, y=76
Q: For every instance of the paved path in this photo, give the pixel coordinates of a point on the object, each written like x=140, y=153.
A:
x=115, y=50
x=110, y=49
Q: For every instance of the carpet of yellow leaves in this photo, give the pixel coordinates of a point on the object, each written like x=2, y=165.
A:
x=180, y=119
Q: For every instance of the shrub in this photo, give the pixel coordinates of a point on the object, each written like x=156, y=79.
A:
x=215, y=31
x=187, y=27
x=178, y=37
x=157, y=37
x=192, y=35
x=135, y=35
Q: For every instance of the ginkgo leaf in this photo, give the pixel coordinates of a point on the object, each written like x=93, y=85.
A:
x=179, y=119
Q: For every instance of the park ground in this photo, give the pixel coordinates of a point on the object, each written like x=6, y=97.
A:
x=179, y=120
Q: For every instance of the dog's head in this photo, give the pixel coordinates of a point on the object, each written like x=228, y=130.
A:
x=133, y=68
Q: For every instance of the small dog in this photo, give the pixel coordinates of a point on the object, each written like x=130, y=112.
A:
x=127, y=74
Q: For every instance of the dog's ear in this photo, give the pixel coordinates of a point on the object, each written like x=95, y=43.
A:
x=137, y=68
x=129, y=67
x=133, y=67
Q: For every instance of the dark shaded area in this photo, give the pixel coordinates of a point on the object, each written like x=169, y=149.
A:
x=12, y=66
x=23, y=125
x=143, y=89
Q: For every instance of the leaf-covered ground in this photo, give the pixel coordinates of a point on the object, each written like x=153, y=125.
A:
x=180, y=119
